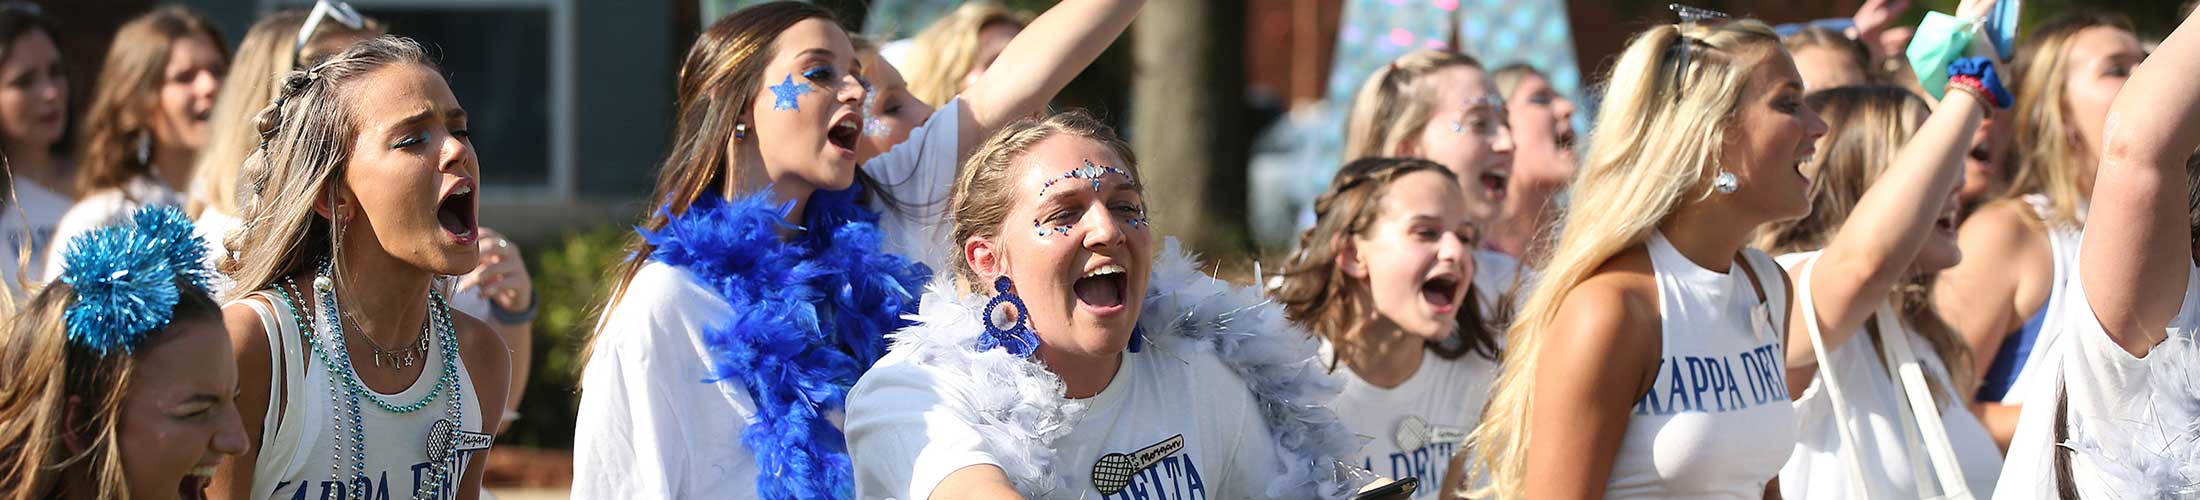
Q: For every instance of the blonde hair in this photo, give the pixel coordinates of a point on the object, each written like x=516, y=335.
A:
x=61, y=402
x=1826, y=38
x=1653, y=150
x=2049, y=156
x=984, y=190
x=1316, y=294
x=128, y=94
x=946, y=50
x=1508, y=78
x=1396, y=102
x=1867, y=126
x=261, y=61
x=306, y=138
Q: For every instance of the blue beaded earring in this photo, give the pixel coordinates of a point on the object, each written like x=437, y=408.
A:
x=1006, y=328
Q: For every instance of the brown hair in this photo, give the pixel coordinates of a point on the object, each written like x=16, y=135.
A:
x=982, y=194
x=1826, y=38
x=717, y=88
x=1397, y=102
x=2048, y=154
x=61, y=403
x=305, y=145
x=128, y=94
x=1867, y=127
x=1316, y=294
x=17, y=20
x=946, y=50
x=261, y=62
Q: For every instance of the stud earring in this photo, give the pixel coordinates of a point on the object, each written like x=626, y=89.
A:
x=740, y=131
x=1006, y=328
x=1725, y=182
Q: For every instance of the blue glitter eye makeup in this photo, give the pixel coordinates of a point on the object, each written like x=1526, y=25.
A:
x=820, y=74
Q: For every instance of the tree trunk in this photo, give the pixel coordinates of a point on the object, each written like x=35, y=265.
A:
x=1186, y=110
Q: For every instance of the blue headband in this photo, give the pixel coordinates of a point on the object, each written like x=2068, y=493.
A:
x=125, y=278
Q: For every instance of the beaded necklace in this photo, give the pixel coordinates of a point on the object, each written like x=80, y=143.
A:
x=326, y=338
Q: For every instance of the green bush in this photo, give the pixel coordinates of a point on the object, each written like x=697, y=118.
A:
x=571, y=279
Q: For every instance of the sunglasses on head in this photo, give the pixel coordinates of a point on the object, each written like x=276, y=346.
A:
x=330, y=10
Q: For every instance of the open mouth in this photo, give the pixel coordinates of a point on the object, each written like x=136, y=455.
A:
x=845, y=132
x=1493, y=182
x=1947, y=221
x=1442, y=293
x=193, y=485
x=1982, y=156
x=456, y=212
x=1102, y=288
x=1565, y=139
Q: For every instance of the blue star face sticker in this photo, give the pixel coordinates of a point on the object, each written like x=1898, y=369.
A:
x=787, y=95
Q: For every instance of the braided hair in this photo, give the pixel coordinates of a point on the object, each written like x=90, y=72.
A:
x=305, y=140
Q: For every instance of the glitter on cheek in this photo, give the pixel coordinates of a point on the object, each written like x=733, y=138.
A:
x=872, y=125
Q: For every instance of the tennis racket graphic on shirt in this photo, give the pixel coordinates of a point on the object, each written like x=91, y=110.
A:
x=442, y=442
x=1114, y=471
x=1413, y=433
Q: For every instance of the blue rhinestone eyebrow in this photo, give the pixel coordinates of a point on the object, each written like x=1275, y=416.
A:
x=1089, y=172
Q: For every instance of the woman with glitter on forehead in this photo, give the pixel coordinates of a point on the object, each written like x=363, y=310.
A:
x=1065, y=356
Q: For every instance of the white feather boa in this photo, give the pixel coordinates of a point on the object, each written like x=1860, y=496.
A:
x=2152, y=448
x=1186, y=311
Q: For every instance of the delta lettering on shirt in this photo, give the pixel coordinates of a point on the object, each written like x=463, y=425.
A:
x=376, y=485
x=1429, y=462
x=1175, y=477
x=1717, y=384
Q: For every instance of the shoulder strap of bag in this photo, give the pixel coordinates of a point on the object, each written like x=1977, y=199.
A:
x=1910, y=377
x=1851, y=454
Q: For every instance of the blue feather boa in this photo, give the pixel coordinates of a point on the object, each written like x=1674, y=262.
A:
x=810, y=315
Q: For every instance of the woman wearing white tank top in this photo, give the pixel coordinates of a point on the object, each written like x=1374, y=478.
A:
x=1891, y=167
x=355, y=379
x=2020, y=253
x=1648, y=360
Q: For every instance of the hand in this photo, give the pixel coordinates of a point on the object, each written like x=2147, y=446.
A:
x=502, y=275
x=1876, y=15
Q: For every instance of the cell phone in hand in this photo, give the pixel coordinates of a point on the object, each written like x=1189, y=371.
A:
x=1398, y=490
x=2000, y=27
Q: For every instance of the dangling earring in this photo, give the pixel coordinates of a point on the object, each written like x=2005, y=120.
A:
x=145, y=149
x=1012, y=333
x=1725, y=182
x=740, y=131
x=1138, y=338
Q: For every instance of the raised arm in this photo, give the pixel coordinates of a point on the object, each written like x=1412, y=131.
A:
x=1890, y=224
x=2133, y=265
x=1039, y=62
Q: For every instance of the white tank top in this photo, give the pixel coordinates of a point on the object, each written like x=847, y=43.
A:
x=297, y=438
x=2062, y=240
x=1818, y=469
x=1716, y=423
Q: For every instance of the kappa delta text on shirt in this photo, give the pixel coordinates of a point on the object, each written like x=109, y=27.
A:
x=1716, y=384
x=379, y=485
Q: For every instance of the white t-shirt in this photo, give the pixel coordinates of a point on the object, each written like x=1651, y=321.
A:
x=1818, y=467
x=2109, y=394
x=1202, y=430
x=214, y=226
x=648, y=426
x=103, y=208
x=29, y=224
x=1494, y=273
x=1414, y=429
x=920, y=171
